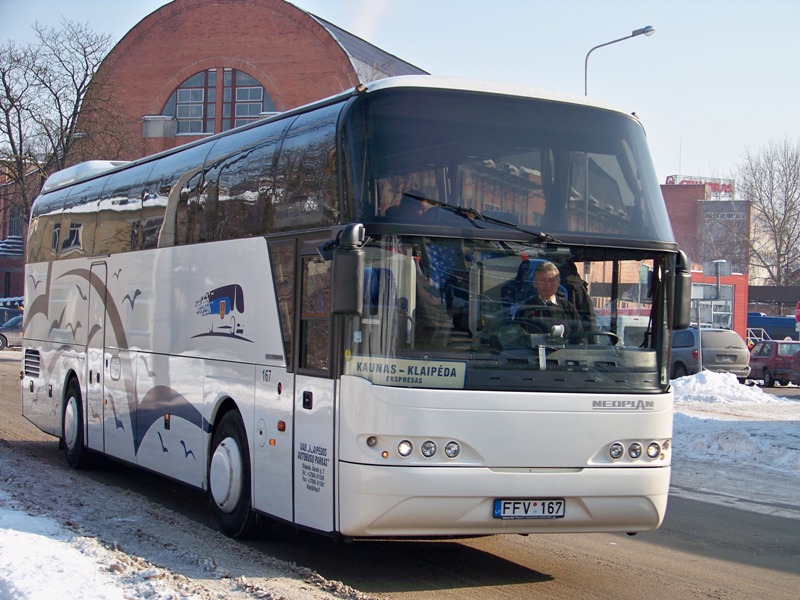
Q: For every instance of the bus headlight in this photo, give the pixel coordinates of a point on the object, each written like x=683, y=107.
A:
x=405, y=448
x=616, y=450
x=452, y=449
x=428, y=448
x=635, y=450
x=653, y=450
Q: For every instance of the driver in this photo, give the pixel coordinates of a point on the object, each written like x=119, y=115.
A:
x=547, y=307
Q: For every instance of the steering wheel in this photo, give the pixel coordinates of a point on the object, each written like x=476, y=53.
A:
x=508, y=333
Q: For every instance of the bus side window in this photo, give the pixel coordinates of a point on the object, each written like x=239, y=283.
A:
x=241, y=189
x=282, y=256
x=44, y=234
x=188, y=213
x=315, y=315
x=307, y=165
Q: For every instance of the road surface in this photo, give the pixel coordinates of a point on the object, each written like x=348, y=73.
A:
x=701, y=551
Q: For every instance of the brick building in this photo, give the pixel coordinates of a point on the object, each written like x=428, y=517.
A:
x=198, y=67
x=683, y=206
x=710, y=224
x=12, y=264
x=193, y=68
x=708, y=221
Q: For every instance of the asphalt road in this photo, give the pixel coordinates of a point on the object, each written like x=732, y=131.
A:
x=701, y=550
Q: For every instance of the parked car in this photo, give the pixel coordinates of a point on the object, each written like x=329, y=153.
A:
x=794, y=371
x=771, y=361
x=11, y=332
x=7, y=313
x=724, y=351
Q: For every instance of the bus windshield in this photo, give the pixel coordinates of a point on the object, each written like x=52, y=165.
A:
x=563, y=169
x=474, y=314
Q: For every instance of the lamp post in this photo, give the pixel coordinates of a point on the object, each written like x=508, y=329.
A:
x=643, y=31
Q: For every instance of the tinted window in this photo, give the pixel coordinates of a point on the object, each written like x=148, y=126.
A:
x=683, y=339
x=239, y=187
x=173, y=181
x=282, y=255
x=44, y=233
x=315, y=318
x=120, y=211
x=566, y=168
x=306, y=177
x=78, y=224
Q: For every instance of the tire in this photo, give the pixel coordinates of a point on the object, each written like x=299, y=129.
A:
x=769, y=380
x=3, y=342
x=679, y=370
x=229, y=487
x=75, y=450
x=784, y=382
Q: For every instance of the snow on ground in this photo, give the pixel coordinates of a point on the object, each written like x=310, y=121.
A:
x=732, y=444
x=736, y=445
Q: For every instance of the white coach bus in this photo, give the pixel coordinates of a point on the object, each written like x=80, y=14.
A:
x=268, y=315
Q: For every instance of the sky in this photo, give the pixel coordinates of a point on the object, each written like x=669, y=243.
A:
x=717, y=78
x=726, y=436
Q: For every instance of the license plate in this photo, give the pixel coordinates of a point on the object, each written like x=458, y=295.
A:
x=726, y=358
x=530, y=508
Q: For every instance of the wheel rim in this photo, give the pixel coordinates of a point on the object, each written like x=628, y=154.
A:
x=71, y=423
x=225, y=475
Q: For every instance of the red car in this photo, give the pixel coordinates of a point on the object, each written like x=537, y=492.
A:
x=794, y=373
x=771, y=361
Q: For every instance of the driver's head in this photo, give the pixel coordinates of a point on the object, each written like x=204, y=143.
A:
x=546, y=279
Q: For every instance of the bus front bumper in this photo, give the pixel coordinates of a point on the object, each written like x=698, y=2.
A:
x=381, y=501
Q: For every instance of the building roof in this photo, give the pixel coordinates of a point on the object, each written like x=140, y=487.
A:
x=369, y=62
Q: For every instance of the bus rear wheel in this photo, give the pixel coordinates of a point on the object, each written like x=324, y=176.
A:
x=229, y=479
x=75, y=450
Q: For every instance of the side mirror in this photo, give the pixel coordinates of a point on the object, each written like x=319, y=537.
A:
x=682, y=310
x=347, y=296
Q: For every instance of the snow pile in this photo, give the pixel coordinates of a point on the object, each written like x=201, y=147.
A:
x=736, y=445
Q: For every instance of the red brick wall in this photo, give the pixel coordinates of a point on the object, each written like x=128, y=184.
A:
x=15, y=265
x=291, y=55
x=683, y=207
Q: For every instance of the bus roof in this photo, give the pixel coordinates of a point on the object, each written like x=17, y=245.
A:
x=89, y=169
x=488, y=87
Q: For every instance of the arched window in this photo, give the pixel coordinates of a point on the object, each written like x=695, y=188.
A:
x=216, y=100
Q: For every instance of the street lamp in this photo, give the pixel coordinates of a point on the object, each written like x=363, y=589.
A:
x=643, y=31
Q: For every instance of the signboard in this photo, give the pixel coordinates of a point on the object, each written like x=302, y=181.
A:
x=407, y=373
x=797, y=312
x=710, y=268
x=722, y=187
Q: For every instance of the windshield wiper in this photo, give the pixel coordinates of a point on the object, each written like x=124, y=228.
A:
x=473, y=216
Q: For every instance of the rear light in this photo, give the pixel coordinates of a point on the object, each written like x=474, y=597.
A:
x=694, y=354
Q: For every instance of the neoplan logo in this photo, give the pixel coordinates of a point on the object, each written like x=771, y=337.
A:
x=623, y=405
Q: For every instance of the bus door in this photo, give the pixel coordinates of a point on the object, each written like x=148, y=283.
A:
x=95, y=345
x=314, y=396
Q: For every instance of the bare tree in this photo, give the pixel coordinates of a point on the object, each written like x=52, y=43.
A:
x=42, y=88
x=770, y=180
x=725, y=225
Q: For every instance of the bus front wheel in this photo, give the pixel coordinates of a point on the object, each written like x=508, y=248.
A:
x=229, y=478
x=75, y=450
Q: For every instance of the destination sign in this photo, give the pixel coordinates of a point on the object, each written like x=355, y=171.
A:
x=408, y=373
